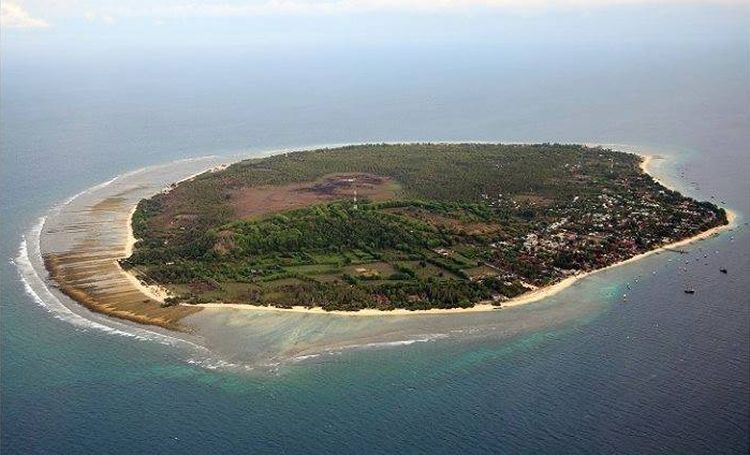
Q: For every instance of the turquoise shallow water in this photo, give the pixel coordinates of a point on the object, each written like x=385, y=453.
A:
x=664, y=373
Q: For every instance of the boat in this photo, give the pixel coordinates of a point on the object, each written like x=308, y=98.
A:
x=723, y=270
x=690, y=291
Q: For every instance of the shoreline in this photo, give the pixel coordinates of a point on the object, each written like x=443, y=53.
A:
x=529, y=297
x=151, y=291
x=159, y=294
x=89, y=272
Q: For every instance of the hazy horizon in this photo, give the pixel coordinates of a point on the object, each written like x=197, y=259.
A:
x=42, y=26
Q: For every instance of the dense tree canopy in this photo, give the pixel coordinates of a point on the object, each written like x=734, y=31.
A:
x=465, y=223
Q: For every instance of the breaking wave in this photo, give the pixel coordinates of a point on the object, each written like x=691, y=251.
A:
x=37, y=287
x=33, y=276
x=30, y=266
x=387, y=344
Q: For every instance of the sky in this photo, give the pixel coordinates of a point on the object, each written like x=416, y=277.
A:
x=70, y=25
x=45, y=13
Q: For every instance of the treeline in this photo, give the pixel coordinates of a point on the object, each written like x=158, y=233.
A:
x=411, y=295
x=331, y=227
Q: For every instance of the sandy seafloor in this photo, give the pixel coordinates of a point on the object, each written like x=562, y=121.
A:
x=257, y=340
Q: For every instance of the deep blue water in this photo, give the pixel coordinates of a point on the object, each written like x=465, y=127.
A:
x=662, y=374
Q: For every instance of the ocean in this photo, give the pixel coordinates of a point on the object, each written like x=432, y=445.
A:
x=582, y=372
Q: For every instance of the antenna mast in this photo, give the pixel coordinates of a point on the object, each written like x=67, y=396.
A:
x=355, y=195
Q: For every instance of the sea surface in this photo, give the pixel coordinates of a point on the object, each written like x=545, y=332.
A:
x=583, y=372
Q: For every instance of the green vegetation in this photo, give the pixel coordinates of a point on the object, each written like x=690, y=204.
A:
x=468, y=223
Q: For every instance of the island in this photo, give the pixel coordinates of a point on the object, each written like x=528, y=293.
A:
x=403, y=226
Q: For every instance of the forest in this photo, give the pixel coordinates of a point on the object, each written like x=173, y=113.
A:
x=413, y=226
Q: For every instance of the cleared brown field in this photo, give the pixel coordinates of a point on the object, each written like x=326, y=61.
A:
x=255, y=202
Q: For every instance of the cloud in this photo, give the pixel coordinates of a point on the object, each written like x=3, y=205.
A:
x=12, y=15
